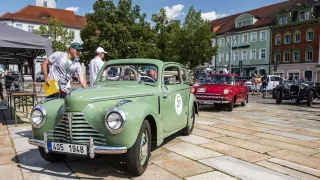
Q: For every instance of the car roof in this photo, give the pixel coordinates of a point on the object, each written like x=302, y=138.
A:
x=156, y=62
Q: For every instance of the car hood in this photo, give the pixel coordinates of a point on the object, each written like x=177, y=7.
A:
x=214, y=88
x=79, y=98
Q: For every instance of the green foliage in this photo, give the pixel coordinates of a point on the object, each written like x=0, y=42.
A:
x=60, y=36
x=125, y=33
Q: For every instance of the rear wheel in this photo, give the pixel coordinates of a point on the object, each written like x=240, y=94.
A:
x=51, y=157
x=310, y=98
x=138, y=155
x=279, y=97
x=244, y=103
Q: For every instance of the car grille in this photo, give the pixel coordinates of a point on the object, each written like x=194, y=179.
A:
x=294, y=90
x=79, y=132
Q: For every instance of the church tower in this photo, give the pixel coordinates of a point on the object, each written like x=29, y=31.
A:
x=46, y=3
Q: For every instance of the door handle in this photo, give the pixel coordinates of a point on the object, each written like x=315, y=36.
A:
x=165, y=95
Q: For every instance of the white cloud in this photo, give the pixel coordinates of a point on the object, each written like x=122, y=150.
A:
x=74, y=9
x=174, y=12
x=212, y=15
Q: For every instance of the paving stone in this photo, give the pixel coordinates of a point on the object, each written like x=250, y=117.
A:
x=273, y=127
x=7, y=155
x=195, y=139
x=308, y=161
x=10, y=171
x=245, y=144
x=22, y=145
x=251, y=127
x=286, y=170
x=176, y=164
x=307, y=133
x=175, y=140
x=312, y=130
x=243, y=170
x=205, y=134
x=154, y=172
x=95, y=168
x=20, y=132
x=237, y=152
x=211, y=175
x=5, y=141
x=31, y=161
x=225, y=132
x=205, y=122
x=292, y=135
x=235, y=129
x=316, y=155
x=289, y=140
x=47, y=176
x=4, y=130
x=285, y=146
x=295, y=166
x=191, y=151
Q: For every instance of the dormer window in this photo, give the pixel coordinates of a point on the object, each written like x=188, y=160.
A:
x=307, y=15
x=45, y=4
x=245, y=20
x=302, y=16
x=285, y=20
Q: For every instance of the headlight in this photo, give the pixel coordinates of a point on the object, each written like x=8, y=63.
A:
x=38, y=117
x=226, y=91
x=115, y=120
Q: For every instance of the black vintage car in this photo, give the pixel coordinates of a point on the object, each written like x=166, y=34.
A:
x=294, y=90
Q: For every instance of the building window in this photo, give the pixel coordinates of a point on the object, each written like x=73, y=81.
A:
x=297, y=37
x=236, y=56
x=308, y=75
x=245, y=38
x=254, y=37
x=237, y=39
x=221, y=57
x=227, y=56
x=277, y=57
x=278, y=40
x=287, y=39
x=253, y=54
x=244, y=55
x=19, y=26
x=285, y=20
x=30, y=29
x=302, y=17
x=281, y=20
x=309, y=55
x=263, y=35
x=239, y=24
x=296, y=56
x=262, y=53
x=310, y=35
x=286, y=56
x=221, y=42
x=293, y=76
x=307, y=15
x=45, y=4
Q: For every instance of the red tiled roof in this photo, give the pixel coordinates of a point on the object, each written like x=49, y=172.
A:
x=266, y=16
x=35, y=14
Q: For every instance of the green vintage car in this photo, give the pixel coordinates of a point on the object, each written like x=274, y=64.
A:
x=133, y=102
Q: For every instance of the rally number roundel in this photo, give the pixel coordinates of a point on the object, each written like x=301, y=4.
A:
x=178, y=104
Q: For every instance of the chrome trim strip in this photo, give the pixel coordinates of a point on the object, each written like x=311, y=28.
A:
x=123, y=116
x=124, y=96
x=92, y=148
x=122, y=102
x=44, y=114
x=69, y=116
x=215, y=102
x=177, y=90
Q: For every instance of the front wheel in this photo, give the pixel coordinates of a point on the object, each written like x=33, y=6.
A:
x=188, y=129
x=230, y=106
x=279, y=97
x=51, y=157
x=138, y=155
x=310, y=98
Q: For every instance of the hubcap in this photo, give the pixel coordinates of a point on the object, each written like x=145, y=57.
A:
x=144, y=147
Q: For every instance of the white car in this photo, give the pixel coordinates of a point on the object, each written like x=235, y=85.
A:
x=273, y=81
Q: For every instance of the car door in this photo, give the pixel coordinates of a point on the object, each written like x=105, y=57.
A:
x=240, y=89
x=174, y=103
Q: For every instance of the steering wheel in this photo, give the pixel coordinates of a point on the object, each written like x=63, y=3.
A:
x=146, y=77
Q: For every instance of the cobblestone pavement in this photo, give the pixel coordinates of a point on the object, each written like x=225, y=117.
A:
x=260, y=141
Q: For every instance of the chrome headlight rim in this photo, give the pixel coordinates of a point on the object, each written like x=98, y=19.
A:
x=226, y=91
x=122, y=115
x=44, y=115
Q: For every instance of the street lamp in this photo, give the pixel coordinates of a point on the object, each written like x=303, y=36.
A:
x=230, y=38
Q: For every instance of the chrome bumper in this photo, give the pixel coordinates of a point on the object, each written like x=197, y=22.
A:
x=92, y=148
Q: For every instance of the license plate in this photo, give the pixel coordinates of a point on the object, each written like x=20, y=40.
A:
x=206, y=102
x=67, y=148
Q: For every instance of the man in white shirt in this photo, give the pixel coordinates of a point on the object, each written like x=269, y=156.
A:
x=96, y=64
x=225, y=70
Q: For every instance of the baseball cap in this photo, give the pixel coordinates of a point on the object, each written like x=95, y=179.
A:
x=76, y=46
x=100, y=50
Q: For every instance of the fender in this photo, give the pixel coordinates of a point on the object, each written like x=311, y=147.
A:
x=192, y=102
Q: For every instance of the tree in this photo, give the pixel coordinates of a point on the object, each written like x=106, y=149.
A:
x=196, y=40
x=60, y=36
x=168, y=32
x=122, y=31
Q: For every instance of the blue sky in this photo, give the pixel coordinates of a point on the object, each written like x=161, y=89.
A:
x=176, y=9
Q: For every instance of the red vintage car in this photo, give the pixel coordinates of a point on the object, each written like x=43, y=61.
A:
x=227, y=89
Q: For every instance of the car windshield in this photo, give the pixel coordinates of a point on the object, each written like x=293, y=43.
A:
x=130, y=72
x=219, y=79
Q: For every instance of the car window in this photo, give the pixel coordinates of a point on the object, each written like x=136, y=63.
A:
x=220, y=79
x=275, y=78
x=171, y=75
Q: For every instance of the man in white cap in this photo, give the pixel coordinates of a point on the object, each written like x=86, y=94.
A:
x=225, y=70
x=96, y=64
